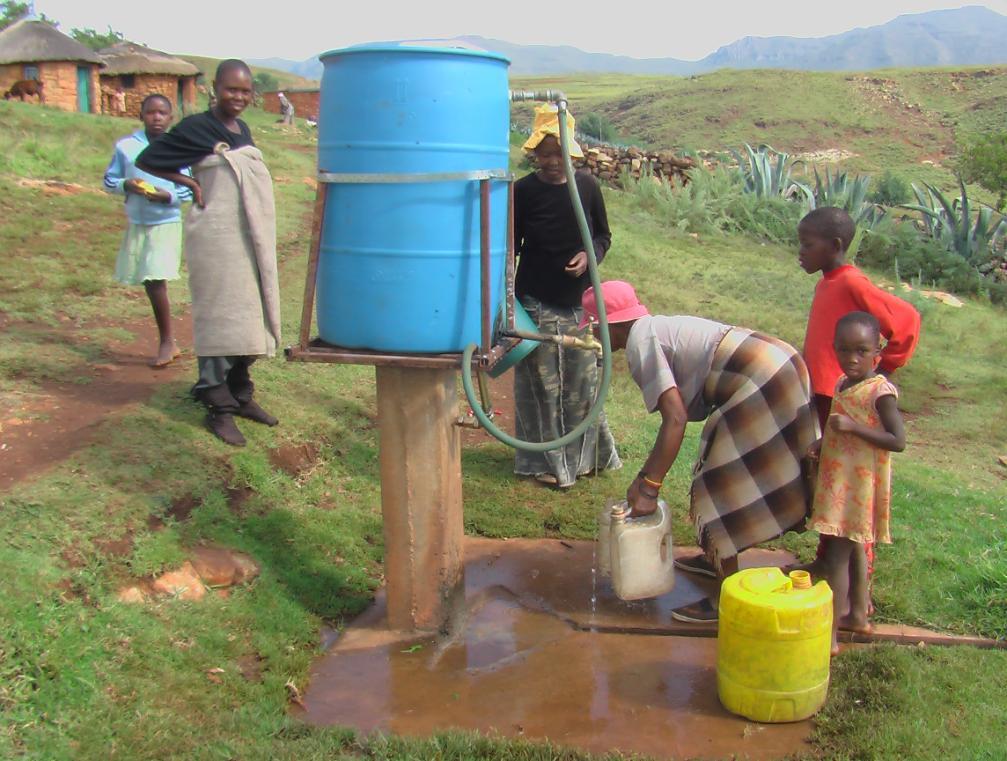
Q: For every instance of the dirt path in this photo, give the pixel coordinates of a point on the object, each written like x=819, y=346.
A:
x=62, y=416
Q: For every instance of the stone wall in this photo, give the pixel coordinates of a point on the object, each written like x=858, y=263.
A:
x=305, y=102
x=144, y=85
x=60, y=81
x=609, y=164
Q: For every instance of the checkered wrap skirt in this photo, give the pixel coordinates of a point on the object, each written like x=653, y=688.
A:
x=748, y=485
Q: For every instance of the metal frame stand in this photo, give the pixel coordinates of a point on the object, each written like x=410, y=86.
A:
x=317, y=350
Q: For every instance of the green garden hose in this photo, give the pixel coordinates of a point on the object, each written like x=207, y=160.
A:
x=592, y=267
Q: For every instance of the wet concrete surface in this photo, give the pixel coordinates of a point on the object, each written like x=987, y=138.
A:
x=529, y=658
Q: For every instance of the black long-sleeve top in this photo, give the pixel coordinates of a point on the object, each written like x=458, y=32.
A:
x=546, y=237
x=192, y=140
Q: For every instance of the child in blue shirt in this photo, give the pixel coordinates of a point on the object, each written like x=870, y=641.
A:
x=152, y=246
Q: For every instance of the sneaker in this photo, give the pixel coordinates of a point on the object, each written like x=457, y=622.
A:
x=701, y=612
x=696, y=564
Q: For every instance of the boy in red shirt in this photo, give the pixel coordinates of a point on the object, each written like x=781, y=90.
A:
x=825, y=234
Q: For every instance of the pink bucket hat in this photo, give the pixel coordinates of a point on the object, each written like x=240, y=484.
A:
x=621, y=303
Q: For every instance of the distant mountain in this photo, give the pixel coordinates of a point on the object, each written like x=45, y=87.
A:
x=959, y=37
x=525, y=59
x=564, y=59
x=310, y=68
x=971, y=35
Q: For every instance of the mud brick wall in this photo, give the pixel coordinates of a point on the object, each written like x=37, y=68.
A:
x=60, y=80
x=609, y=164
x=305, y=102
x=148, y=84
x=9, y=74
x=189, y=95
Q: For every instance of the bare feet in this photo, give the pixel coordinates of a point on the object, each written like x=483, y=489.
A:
x=835, y=649
x=856, y=624
x=167, y=353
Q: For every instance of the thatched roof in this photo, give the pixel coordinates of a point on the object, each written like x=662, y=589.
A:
x=30, y=40
x=131, y=58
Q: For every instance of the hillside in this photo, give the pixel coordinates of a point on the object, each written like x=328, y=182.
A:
x=901, y=119
x=286, y=79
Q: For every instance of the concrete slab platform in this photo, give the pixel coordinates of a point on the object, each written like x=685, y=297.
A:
x=556, y=576
x=531, y=656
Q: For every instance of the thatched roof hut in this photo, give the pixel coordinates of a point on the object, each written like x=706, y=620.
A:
x=33, y=40
x=34, y=49
x=138, y=71
x=131, y=58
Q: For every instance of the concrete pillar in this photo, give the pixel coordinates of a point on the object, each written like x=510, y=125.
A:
x=421, y=494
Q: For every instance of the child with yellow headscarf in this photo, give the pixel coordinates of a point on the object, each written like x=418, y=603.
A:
x=554, y=387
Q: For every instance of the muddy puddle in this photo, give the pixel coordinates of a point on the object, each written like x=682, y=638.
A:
x=530, y=658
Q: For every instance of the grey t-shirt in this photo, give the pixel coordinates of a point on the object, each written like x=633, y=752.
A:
x=674, y=352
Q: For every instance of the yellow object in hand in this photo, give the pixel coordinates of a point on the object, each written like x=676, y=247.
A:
x=145, y=187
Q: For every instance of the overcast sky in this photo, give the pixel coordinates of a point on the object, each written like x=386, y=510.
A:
x=299, y=29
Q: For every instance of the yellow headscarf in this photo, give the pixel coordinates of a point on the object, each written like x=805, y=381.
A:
x=547, y=123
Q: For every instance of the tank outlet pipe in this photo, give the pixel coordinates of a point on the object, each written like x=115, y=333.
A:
x=551, y=96
x=587, y=342
x=592, y=266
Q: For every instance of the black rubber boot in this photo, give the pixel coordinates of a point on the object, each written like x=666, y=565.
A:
x=241, y=387
x=253, y=411
x=221, y=408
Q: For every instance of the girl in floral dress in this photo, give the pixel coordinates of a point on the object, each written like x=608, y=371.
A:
x=853, y=495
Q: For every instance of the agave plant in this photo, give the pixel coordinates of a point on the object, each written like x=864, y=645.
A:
x=951, y=223
x=767, y=174
x=841, y=190
x=848, y=193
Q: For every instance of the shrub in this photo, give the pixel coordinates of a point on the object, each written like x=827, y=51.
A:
x=264, y=81
x=898, y=249
x=983, y=159
x=715, y=201
x=697, y=207
x=598, y=127
x=892, y=190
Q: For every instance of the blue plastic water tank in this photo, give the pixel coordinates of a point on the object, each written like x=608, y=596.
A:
x=399, y=263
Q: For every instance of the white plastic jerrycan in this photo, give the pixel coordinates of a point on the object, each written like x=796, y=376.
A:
x=636, y=552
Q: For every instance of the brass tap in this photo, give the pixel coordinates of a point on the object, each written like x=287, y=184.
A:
x=587, y=342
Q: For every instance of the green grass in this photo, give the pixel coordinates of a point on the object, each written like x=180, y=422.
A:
x=84, y=677
x=890, y=119
x=915, y=703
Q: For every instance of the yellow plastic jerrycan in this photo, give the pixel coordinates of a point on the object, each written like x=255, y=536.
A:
x=773, y=644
